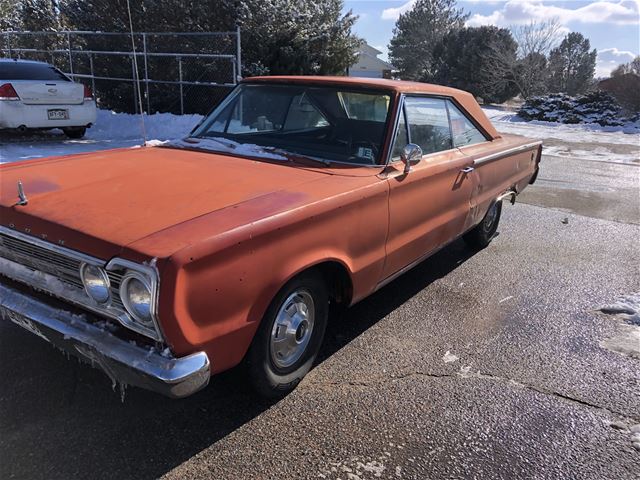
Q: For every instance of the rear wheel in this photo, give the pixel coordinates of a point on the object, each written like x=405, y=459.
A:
x=75, y=132
x=482, y=234
x=289, y=337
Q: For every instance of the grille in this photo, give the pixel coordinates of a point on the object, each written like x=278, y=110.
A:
x=64, y=267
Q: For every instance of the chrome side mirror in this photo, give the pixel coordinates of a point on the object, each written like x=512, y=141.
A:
x=411, y=154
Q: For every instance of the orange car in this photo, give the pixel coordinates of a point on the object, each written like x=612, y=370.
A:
x=165, y=265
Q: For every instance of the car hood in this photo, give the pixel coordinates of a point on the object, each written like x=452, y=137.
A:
x=101, y=202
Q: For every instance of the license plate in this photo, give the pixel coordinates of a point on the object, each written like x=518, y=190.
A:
x=58, y=114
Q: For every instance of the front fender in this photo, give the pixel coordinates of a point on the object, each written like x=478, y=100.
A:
x=214, y=294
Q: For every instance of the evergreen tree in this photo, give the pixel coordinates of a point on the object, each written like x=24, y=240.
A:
x=572, y=65
x=460, y=60
x=10, y=15
x=39, y=15
x=632, y=67
x=278, y=36
x=297, y=37
x=416, y=34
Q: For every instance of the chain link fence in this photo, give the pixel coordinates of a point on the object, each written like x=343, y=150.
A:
x=178, y=72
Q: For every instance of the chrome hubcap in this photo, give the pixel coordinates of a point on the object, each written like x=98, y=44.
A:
x=292, y=329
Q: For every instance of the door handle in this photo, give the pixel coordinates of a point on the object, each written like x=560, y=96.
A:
x=467, y=170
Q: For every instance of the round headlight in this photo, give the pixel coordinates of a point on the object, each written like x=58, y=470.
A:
x=96, y=283
x=136, y=296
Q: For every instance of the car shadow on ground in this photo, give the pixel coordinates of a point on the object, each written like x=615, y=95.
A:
x=60, y=419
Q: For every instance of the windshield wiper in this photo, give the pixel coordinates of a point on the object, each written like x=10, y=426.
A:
x=197, y=140
x=323, y=161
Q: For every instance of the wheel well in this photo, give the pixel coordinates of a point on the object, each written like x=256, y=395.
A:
x=338, y=281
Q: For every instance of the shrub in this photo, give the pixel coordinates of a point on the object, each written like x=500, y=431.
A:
x=594, y=107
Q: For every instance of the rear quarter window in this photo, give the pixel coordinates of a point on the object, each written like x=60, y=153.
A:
x=30, y=71
x=463, y=130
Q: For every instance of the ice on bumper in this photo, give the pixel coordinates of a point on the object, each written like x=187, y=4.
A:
x=124, y=362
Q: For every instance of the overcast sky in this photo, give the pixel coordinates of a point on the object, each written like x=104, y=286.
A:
x=612, y=26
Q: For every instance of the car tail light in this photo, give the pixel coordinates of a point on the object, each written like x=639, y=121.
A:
x=88, y=95
x=7, y=92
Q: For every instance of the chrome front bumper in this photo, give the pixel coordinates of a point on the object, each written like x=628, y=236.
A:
x=122, y=361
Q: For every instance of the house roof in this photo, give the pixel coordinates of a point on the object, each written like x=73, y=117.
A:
x=366, y=48
x=368, y=55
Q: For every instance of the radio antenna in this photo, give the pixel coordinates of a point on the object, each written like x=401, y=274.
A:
x=137, y=76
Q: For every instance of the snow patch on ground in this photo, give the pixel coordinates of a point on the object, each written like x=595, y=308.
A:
x=356, y=468
x=627, y=340
x=600, y=154
x=626, y=305
x=509, y=122
x=449, y=357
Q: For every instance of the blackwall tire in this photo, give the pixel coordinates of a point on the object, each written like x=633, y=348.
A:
x=289, y=337
x=482, y=234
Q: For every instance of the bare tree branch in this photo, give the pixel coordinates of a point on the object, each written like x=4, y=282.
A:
x=527, y=69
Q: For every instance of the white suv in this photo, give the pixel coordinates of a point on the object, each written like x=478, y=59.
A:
x=38, y=95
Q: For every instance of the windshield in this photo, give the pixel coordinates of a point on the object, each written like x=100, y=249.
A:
x=330, y=123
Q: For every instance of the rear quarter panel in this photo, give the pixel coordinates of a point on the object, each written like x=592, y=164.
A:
x=515, y=163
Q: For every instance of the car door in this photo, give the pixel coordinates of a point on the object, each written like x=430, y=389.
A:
x=491, y=178
x=429, y=206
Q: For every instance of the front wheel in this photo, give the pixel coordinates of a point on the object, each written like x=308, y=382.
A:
x=481, y=235
x=289, y=337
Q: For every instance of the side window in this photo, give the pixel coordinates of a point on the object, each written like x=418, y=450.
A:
x=464, y=132
x=401, y=138
x=428, y=123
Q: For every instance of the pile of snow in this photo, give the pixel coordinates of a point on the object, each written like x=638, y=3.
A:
x=507, y=121
x=124, y=126
x=597, y=107
x=111, y=130
x=583, y=141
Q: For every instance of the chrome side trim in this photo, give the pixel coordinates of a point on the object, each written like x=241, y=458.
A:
x=394, y=126
x=506, y=153
x=122, y=361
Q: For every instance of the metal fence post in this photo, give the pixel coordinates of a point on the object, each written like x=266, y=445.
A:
x=8, y=35
x=135, y=84
x=238, y=56
x=180, y=80
x=70, y=58
x=146, y=73
x=93, y=76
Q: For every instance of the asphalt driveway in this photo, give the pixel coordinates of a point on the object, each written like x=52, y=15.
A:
x=495, y=364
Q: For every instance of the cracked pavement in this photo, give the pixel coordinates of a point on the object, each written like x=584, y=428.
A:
x=491, y=364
